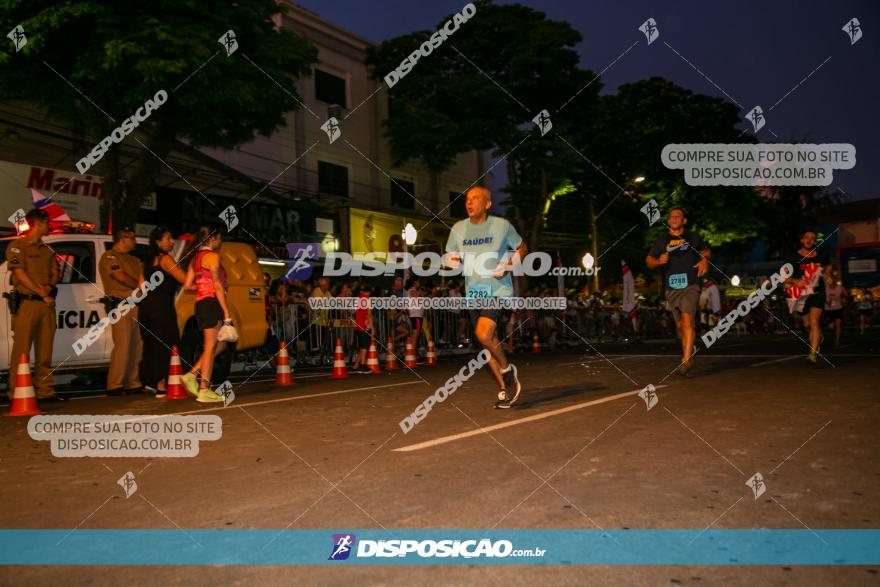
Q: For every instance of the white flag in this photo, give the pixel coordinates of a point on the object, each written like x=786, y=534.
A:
x=629, y=288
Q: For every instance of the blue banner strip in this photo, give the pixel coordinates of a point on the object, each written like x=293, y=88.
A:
x=468, y=547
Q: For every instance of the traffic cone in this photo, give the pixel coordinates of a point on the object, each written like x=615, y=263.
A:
x=430, y=357
x=174, y=388
x=390, y=359
x=409, y=359
x=283, y=374
x=373, y=358
x=339, y=369
x=24, y=400
x=536, y=348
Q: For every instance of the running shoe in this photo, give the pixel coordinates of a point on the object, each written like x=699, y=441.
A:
x=155, y=392
x=206, y=396
x=511, y=381
x=685, y=368
x=503, y=401
x=189, y=381
x=811, y=358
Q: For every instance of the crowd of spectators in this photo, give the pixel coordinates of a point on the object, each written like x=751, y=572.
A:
x=594, y=316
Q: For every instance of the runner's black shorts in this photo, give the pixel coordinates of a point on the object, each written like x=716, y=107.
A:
x=495, y=315
x=814, y=301
x=209, y=314
x=833, y=315
x=415, y=323
x=362, y=337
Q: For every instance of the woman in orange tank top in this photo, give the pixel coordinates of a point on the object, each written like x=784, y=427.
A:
x=207, y=276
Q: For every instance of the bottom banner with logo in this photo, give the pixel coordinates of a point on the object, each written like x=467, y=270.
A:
x=468, y=547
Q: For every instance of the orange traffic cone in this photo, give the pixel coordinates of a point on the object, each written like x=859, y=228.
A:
x=536, y=348
x=390, y=359
x=373, y=358
x=174, y=388
x=339, y=369
x=430, y=357
x=283, y=374
x=24, y=400
x=409, y=359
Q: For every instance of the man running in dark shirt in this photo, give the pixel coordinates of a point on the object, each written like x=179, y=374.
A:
x=685, y=257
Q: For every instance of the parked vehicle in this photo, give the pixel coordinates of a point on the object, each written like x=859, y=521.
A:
x=79, y=307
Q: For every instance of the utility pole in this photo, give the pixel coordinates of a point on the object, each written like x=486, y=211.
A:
x=595, y=231
x=595, y=242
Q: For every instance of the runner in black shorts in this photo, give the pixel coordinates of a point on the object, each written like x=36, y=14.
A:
x=807, y=288
x=495, y=316
x=207, y=276
x=416, y=319
x=686, y=260
x=363, y=332
x=478, y=234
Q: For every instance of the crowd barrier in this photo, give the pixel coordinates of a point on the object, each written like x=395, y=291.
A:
x=310, y=334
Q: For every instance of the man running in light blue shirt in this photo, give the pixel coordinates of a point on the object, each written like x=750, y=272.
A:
x=480, y=234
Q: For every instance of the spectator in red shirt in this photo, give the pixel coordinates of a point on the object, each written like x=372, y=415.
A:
x=363, y=318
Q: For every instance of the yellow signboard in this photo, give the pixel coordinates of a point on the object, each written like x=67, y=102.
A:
x=378, y=232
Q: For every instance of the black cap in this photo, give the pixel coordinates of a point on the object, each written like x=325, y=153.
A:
x=36, y=214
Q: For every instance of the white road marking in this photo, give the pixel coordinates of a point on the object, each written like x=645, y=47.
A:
x=70, y=397
x=288, y=399
x=268, y=379
x=666, y=356
x=486, y=429
x=146, y=395
x=599, y=359
x=776, y=360
x=702, y=357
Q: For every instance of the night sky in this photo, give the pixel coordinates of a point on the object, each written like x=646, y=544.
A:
x=756, y=52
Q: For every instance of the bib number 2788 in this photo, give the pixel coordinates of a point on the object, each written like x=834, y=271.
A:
x=678, y=281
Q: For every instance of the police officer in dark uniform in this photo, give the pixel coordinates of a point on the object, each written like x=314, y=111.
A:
x=34, y=278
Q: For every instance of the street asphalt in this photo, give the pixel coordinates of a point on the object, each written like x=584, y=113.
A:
x=580, y=451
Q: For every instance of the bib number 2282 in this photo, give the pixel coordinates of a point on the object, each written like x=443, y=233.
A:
x=479, y=291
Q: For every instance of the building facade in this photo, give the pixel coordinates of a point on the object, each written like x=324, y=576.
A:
x=355, y=171
x=313, y=184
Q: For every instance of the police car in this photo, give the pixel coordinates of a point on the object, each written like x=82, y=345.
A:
x=78, y=305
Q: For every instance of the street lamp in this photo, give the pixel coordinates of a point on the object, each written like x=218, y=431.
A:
x=409, y=235
x=735, y=281
x=588, y=261
x=330, y=244
x=639, y=179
